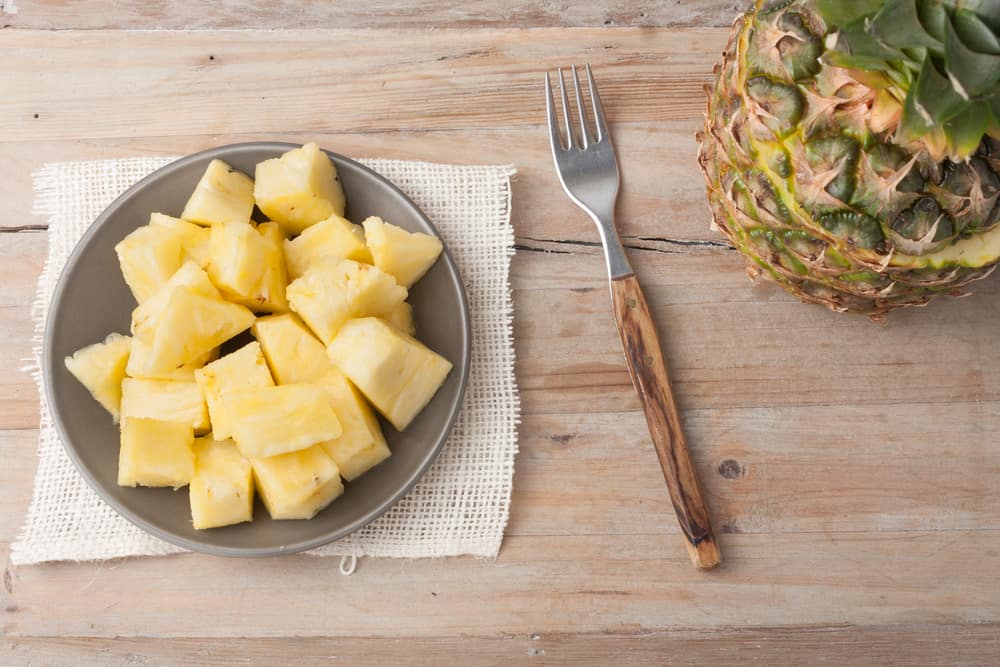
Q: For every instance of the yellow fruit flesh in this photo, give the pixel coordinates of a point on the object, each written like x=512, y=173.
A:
x=239, y=371
x=361, y=446
x=194, y=238
x=138, y=364
x=190, y=325
x=335, y=237
x=299, y=189
x=101, y=368
x=297, y=485
x=269, y=296
x=236, y=259
x=155, y=453
x=404, y=255
x=401, y=317
x=293, y=354
x=328, y=295
x=165, y=400
x=396, y=372
x=148, y=257
x=191, y=276
x=223, y=194
x=221, y=490
x=268, y=421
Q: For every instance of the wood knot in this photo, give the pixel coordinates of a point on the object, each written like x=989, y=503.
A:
x=731, y=469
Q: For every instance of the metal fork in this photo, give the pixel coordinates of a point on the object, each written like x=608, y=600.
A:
x=588, y=171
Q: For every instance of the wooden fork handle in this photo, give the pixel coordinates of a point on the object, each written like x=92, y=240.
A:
x=648, y=369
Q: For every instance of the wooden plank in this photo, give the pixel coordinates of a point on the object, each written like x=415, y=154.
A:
x=661, y=196
x=361, y=14
x=18, y=453
x=557, y=584
x=303, y=82
x=926, y=645
x=765, y=470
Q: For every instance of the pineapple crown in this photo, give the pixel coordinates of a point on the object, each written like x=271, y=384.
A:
x=935, y=64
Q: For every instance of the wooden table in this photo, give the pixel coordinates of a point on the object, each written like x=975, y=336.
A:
x=852, y=469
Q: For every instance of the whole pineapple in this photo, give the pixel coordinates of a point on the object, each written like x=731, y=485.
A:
x=852, y=148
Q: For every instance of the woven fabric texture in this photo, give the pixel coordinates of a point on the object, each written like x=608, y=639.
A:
x=461, y=505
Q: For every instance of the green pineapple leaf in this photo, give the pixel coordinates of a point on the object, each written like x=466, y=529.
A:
x=974, y=32
x=966, y=130
x=932, y=101
x=977, y=73
x=898, y=24
x=987, y=10
x=845, y=12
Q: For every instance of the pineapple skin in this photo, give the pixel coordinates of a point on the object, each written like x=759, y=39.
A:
x=101, y=368
x=806, y=179
x=165, y=400
x=297, y=485
x=155, y=453
x=299, y=189
x=222, y=490
x=223, y=194
x=329, y=294
x=404, y=255
x=334, y=237
x=396, y=372
x=268, y=421
x=238, y=371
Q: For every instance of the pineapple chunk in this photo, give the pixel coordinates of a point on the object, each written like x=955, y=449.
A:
x=361, y=446
x=248, y=265
x=194, y=238
x=191, y=276
x=328, y=295
x=155, y=453
x=294, y=355
x=396, y=372
x=270, y=293
x=165, y=400
x=334, y=237
x=222, y=487
x=101, y=368
x=138, y=364
x=235, y=259
x=243, y=369
x=401, y=317
x=223, y=194
x=297, y=485
x=404, y=255
x=149, y=256
x=191, y=325
x=274, y=420
x=299, y=189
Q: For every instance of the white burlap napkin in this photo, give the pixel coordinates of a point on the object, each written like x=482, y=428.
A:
x=460, y=506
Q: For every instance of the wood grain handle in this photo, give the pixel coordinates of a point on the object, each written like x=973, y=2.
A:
x=648, y=369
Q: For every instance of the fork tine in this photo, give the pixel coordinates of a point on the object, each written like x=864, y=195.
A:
x=550, y=111
x=565, y=107
x=584, y=134
x=602, y=123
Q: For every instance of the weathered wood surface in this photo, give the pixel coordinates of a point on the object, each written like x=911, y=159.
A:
x=355, y=14
x=851, y=469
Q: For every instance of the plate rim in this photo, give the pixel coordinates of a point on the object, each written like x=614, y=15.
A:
x=49, y=364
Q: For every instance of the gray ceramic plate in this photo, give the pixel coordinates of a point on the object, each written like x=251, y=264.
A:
x=92, y=300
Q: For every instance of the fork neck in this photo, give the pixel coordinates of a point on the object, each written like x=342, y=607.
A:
x=614, y=252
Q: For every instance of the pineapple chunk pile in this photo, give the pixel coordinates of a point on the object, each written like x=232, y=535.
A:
x=289, y=410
